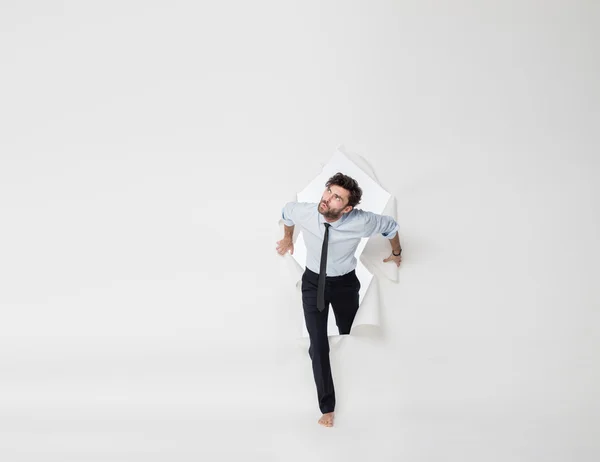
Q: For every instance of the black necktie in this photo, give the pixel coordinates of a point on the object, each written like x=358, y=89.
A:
x=321, y=286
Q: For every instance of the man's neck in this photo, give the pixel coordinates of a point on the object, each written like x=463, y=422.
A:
x=332, y=220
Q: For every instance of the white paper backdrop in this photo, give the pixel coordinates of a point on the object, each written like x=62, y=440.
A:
x=146, y=149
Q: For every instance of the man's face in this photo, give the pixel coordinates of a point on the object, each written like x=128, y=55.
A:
x=334, y=202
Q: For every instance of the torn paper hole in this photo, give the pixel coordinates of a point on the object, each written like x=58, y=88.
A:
x=370, y=252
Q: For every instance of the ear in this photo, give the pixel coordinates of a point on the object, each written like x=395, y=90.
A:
x=348, y=209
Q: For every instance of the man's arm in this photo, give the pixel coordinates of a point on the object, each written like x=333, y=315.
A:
x=385, y=225
x=287, y=215
x=287, y=243
x=289, y=232
x=396, y=255
x=395, y=242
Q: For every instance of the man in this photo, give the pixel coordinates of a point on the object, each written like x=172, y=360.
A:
x=333, y=229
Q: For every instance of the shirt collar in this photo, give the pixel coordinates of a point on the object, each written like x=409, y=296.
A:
x=336, y=223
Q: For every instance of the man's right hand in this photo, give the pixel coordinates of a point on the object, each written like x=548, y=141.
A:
x=285, y=245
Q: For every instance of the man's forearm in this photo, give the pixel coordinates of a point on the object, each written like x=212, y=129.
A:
x=289, y=232
x=395, y=242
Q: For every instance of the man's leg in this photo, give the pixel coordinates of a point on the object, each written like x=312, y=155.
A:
x=316, y=325
x=344, y=301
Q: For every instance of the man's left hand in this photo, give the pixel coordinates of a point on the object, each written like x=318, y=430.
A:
x=393, y=258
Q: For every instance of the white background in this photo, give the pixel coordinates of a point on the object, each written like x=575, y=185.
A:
x=146, y=150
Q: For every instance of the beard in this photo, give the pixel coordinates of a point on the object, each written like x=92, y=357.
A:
x=329, y=213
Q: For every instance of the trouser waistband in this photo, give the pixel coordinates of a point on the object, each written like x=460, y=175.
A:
x=349, y=274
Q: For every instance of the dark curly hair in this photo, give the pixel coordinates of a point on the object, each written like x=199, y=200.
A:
x=348, y=183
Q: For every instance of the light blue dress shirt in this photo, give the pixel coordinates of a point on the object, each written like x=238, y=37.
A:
x=345, y=234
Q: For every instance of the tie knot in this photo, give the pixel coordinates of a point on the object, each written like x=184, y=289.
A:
x=327, y=225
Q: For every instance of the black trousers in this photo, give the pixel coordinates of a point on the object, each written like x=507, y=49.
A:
x=342, y=293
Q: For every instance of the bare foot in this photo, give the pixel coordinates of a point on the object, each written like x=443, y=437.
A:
x=327, y=420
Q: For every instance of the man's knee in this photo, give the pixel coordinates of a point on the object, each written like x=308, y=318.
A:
x=345, y=330
x=345, y=326
x=319, y=345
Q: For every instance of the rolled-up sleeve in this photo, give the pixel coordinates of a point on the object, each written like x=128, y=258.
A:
x=287, y=214
x=380, y=224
